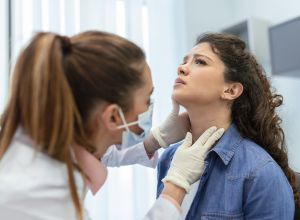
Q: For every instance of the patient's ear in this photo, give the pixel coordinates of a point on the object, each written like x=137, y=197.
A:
x=232, y=91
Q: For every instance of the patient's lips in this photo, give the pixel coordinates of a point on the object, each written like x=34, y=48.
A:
x=179, y=82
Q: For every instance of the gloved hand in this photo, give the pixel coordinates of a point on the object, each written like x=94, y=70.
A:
x=188, y=162
x=173, y=129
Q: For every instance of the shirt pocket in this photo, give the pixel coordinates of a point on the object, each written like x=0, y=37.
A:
x=222, y=216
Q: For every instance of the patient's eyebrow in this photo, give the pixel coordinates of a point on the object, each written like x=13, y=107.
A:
x=201, y=55
x=196, y=55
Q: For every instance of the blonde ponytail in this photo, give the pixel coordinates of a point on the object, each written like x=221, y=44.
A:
x=43, y=104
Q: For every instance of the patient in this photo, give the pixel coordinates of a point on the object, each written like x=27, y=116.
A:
x=247, y=175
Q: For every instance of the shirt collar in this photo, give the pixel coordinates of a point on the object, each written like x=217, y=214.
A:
x=228, y=144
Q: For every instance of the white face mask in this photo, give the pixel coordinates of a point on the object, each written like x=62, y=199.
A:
x=144, y=121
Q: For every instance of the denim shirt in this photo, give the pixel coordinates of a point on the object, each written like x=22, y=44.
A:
x=240, y=181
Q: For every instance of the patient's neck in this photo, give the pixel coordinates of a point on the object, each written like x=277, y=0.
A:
x=204, y=117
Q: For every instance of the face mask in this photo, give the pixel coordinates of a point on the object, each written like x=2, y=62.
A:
x=144, y=121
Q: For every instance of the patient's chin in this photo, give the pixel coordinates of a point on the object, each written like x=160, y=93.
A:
x=179, y=98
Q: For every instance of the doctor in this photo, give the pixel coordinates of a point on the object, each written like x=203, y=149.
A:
x=71, y=99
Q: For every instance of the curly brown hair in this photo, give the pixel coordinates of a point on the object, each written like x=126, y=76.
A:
x=254, y=112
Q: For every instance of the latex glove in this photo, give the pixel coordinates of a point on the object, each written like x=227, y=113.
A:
x=173, y=129
x=188, y=162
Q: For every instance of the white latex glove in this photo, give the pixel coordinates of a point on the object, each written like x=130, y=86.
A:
x=188, y=162
x=173, y=129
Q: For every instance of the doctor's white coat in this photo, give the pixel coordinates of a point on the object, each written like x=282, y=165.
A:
x=34, y=186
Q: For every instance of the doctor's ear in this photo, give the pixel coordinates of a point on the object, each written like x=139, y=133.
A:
x=232, y=91
x=111, y=117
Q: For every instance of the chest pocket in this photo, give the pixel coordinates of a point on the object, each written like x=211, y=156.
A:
x=222, y=216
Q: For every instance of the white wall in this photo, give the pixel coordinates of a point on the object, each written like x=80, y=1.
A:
x=203, y=16
x=275, y=11
x=166, y=49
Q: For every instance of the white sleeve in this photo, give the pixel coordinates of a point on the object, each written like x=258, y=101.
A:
x=163, y=209
x=135, y=154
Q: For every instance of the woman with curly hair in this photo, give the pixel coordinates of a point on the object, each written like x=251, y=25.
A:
x=247, y=175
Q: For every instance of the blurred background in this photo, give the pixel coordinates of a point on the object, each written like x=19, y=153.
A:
x=166, y=30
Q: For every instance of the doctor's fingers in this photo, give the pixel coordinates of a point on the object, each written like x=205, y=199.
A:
x=205, y=136
x=207, y=139
x=175, y=109
x=212, y=139
x=188, y=140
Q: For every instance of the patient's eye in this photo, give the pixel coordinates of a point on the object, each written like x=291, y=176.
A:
x=200, y=61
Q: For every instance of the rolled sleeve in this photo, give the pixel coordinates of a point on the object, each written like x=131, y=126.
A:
x=133, y=155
